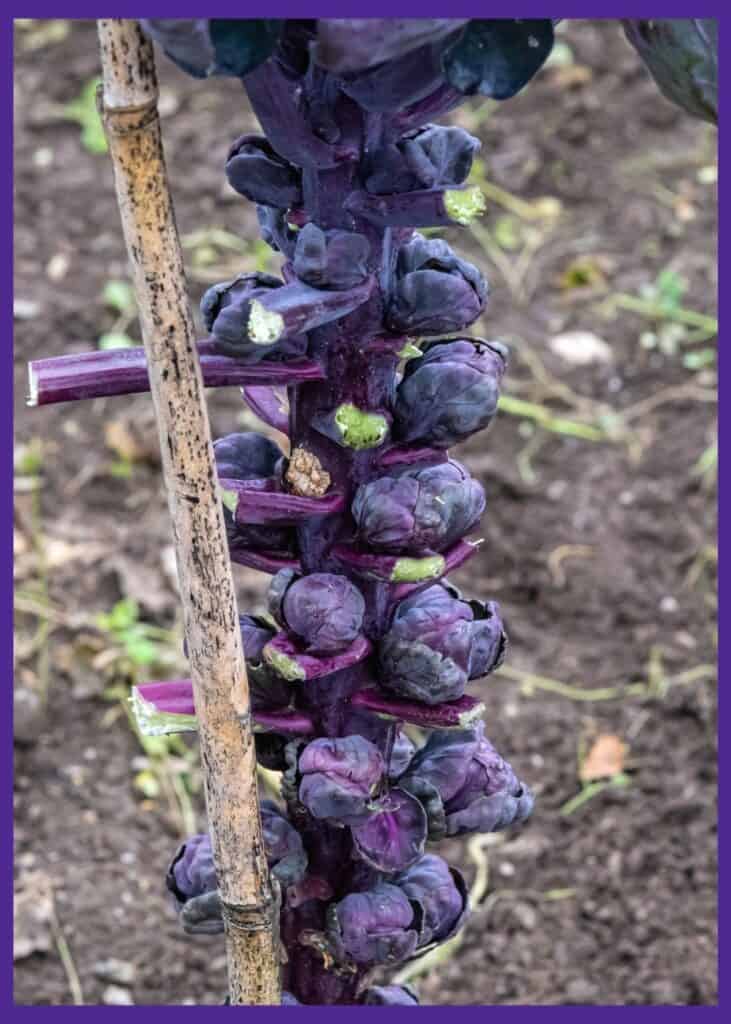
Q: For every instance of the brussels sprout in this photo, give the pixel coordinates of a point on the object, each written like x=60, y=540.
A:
x=284, y=850
x=393, y=837
x=373, y=927
x=425, y=655
x=681, y=54
x=478, y=790
x=250, y=456
x=339, y=777
x=420, y=510
x=331, y=260
x=441, y=894
x=489, y=639
x=432, y=157
x=254, y=170
x=434, y=291
x=497, y=57
x=215, y=46
x=324, y=611
x=401, y=753
x=191, y=878
x=227, y=310
x=275, y=230
x=246, y=456
x=448, y=393
x=267, y=690
x=389, y=995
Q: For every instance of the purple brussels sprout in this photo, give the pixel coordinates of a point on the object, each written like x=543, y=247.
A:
x=256, y=632
x=254, y=170
x=251, y=456
x=389, y=995
x=394, y=835
x=441, y=894
x=267, y=689
x=191, y=878
x=373, y=927
x=324, y=611
x=437, y=642
x=434, y=291
x=425, y=655
x=334, y=260
x=339, y=778
x=489, y=639
x=449, y=393
x=401, y=753
x=247, y=456
x=465, y=785
x=275, y=230
x=227, y=310
x=433, y=157
x=418, y=511
x=215, y=46
x=285, y=853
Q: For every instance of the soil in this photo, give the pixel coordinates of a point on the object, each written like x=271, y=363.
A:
x=601, y=553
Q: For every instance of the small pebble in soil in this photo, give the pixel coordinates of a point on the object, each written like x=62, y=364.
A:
x=525, y=915
x=115, y=995
x=556, y=489
x=669, y=605
x=506, y=869
x=581, y=991
x=119, y=972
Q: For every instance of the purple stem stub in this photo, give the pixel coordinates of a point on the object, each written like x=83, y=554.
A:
x=123, y=371
x=456, y=714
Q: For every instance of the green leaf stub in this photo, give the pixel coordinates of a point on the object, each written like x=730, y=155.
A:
x=416, y=570
x=464, y=205
x=360, y=429
x=283, y=665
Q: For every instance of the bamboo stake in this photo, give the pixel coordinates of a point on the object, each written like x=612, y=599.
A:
x=250, y=908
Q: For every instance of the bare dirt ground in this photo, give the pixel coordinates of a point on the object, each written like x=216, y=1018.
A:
x=600, y=544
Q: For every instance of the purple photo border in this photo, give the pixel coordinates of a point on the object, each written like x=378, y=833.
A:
x=272, y=8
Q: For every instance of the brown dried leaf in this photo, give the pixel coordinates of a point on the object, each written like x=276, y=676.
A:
x=605, y=758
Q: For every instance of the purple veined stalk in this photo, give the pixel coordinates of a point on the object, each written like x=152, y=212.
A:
x=361, y=521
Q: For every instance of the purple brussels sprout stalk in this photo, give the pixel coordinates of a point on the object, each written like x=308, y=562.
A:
x=359, y=522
